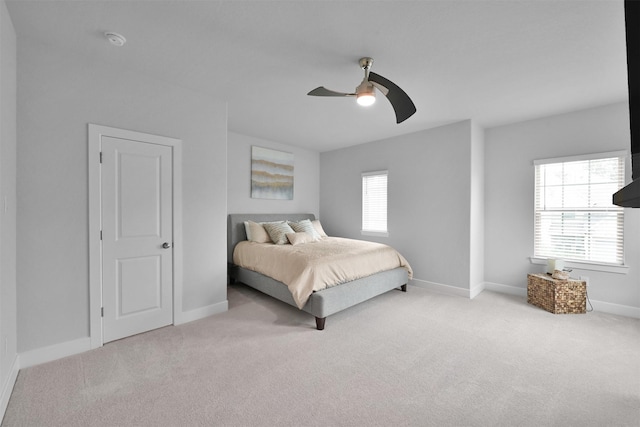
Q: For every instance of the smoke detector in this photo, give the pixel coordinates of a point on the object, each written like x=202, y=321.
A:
x=115, y=39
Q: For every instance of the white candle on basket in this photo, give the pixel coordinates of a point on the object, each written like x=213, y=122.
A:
x=551, y=265
x=554, y=264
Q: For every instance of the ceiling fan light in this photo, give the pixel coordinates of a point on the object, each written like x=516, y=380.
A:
x=366, y=99
x=365, y=94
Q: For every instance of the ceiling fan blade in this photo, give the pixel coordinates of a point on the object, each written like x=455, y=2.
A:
x=323, y=91
x=400, y=101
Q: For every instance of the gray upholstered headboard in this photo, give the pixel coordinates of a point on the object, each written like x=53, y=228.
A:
x=235, y=226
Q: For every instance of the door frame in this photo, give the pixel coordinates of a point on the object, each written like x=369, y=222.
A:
x=96, y=132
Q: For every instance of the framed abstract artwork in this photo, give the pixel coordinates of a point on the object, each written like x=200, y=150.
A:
x=271, y=174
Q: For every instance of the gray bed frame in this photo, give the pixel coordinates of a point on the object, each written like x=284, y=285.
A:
x=321, y=303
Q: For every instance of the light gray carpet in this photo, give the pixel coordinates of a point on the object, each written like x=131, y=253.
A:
x=416, y=358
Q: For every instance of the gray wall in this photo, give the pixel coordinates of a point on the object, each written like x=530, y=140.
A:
x=8, y=87
x=509, y=190
x=429, y=199
x=306, y=180
x=59, y=94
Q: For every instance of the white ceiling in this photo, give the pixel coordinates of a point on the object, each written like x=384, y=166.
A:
x=496, y=62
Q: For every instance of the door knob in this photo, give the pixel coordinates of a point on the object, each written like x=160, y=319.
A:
x=166, y=245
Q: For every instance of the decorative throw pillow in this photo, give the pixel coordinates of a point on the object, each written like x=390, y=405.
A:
x=318, y=227
x=299, y=238
x=278, y=231
x=305, y=226
x=256, y=232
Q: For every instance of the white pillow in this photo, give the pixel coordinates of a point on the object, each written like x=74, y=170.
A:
x=305, y=226
x=256, y=232
x=278, y=232
x=318, y=227
x=299, y=238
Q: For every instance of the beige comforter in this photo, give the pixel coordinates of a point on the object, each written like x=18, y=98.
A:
x=315, y=266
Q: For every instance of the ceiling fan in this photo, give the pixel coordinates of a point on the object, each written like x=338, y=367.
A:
x=366, y=95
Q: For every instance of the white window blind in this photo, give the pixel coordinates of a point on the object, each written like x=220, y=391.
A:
x=374, y=202
x=574, y=215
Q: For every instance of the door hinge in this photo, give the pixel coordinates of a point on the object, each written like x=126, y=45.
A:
x=101, y=157
x=101, y=311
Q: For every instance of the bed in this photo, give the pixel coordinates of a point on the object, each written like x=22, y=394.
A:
x=321, y=303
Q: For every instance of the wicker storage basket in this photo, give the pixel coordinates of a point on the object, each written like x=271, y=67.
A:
x=557, y=296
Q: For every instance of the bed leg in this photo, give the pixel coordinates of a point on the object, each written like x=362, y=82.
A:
x=320, y=323
x=404, y=287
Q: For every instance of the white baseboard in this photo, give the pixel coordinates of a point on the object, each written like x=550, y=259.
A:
x=202, y=312
x=440, y=288
x=611, y=308
x=476, y=290
x=8, y=387
x=505, y=289
x=69, y=348
x=605, y=307
x=448, y=289
x=53, y=352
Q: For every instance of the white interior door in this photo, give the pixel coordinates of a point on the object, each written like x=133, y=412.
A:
x=137, y=243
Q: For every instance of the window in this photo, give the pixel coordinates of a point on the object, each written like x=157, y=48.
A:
x=374, y=203
x=574, y=215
